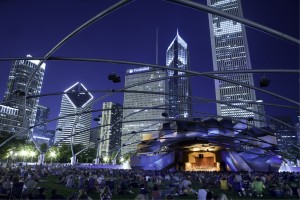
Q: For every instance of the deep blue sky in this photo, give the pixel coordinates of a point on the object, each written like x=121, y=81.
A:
x=35, y=27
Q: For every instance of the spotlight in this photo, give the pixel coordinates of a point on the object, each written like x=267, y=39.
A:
x=264, y=82
x=164, y=114
x=117, y=79
x=111, y=76
x=114, y=77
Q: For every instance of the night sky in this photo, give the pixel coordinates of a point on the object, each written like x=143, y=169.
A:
x=35, y=27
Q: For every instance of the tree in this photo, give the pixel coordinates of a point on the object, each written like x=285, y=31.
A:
x=44, y=148
x=13, y=144
x=65, y=154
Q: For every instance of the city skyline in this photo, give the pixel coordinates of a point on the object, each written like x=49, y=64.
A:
x=130, y=39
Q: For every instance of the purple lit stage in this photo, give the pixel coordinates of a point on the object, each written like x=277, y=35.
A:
x=223, y=145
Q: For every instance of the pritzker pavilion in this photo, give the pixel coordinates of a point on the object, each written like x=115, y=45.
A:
x=158, y=128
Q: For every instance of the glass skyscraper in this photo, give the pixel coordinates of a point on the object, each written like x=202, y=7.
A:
x=75, y=100
x=138, y=121
x=12, y=108
x=111, y=130
x=177, y=56
x=40, y=131
x=230, y=52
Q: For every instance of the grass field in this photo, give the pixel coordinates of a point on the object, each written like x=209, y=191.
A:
x=51, y=183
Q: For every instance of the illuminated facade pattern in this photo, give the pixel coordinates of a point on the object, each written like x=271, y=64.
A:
x=177, y=56
x=111, y=130
x=12, y=118
x=75, y=101
x=134, y=76
x=230, y=52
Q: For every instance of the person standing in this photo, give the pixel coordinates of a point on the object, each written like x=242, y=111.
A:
x=202, y=193
x=258, y=187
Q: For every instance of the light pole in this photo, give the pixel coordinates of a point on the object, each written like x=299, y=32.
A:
x=52, y=155
x=9, y=156
x=32, y=153
x=23, y=154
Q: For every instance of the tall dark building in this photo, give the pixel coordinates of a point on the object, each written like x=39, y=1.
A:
x=40, y=131
x=177, y=57
x=12, y=108
x=286, y=136
x=111, y=130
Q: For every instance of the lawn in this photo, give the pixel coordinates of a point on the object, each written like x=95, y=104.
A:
x=51, y=183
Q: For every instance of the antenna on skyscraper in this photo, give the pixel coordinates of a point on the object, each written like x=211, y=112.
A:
x=156, y=59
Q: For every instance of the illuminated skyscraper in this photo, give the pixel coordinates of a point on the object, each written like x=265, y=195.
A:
x=75, y=101
x=111, y=129
x=230, y=52
x=12, y=110
x=177, y=56
x=138, y=121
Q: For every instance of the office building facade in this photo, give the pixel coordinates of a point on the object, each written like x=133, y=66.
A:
x=137, y=120
x=286, y=136
x=76, y=100
x=39, y=132
x=111, y=129
x=19, y=75
x=177, y=56
x=230, y=52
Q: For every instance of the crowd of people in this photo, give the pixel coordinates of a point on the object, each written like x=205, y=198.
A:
x=19, y=181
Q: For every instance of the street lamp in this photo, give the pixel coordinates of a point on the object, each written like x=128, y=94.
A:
x=52, y=155
x=105, y=159
x=9, y=155
x=15, y=155
x=32, y=153
x=23, y=154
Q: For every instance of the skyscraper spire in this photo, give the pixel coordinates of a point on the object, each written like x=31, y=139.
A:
x=177, y=57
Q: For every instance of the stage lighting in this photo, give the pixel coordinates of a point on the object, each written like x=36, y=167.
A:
x=111, y=76
x=264, y=82
x=114, y=77
x=164, y=114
